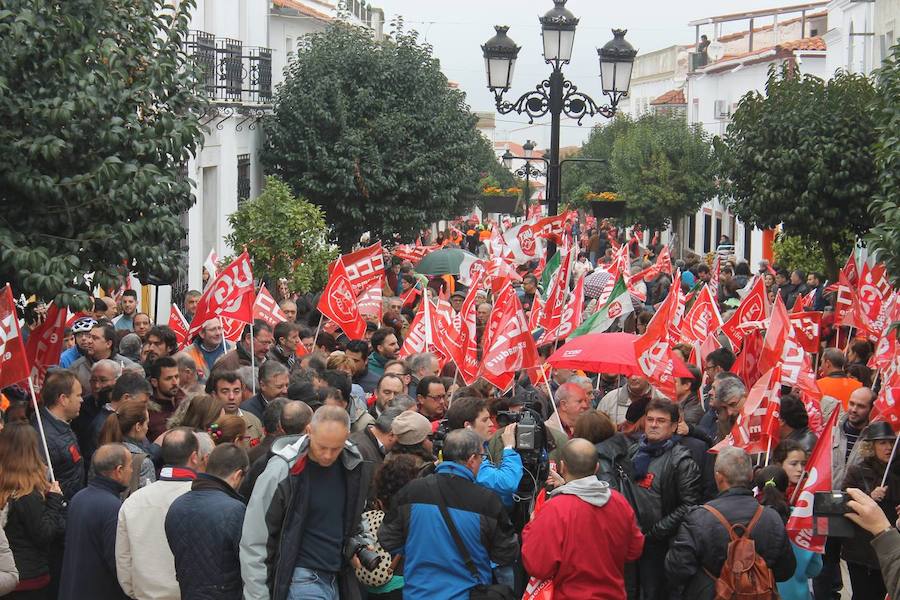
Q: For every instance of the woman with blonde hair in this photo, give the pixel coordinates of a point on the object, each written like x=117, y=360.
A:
x=35, y=509
x=128, y=425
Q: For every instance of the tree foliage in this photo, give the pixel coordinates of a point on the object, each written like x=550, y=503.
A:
x=801, y=155
x=99, y=115
x=884, y=238
x=663, y=169
x=285, y=236
x=581, y=178
x=791, y=252
x=373, y=133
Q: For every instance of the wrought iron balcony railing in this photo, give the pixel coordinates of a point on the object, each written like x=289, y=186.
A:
x=229, y=71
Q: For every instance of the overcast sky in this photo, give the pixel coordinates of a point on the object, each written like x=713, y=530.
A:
x=457, y=28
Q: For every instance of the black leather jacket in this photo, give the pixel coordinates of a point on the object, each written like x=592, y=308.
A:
x=662, y=502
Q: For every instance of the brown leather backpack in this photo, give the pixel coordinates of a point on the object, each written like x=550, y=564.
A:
x=745, y=574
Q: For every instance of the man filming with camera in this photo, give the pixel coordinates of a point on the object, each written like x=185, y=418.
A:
x=448, y=528
x=502, y=479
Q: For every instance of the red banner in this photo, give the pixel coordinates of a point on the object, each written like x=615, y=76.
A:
x=226, y=295
x=818, y=479
x=13, y=362
x=508, y=344
x=807, y=328
x=570, y=318
x=703, y=318
x=364, y=267
x=266, y=309
x=45, y=343
x=338, y=303
x=653, y=348
x=754, y=307
x=179, y=325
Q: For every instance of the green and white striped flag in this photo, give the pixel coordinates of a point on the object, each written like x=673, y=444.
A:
x=619, y=304
x=548, y=273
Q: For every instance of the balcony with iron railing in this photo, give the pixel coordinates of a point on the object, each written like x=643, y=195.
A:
x=229, y=71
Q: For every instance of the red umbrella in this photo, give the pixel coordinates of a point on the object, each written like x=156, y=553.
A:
x=611, y=353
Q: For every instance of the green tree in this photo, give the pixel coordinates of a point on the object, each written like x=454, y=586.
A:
x=99, y=114
x=792, y=252
x=801, y=155
x=884, y=237
x=285, y=236
x=580, y=178
x=373, y=133
x=663, y=169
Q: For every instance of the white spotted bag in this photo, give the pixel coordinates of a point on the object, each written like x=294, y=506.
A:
x=382, y=574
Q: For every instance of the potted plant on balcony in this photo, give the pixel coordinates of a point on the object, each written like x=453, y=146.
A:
x=499, y=200
x=605, y=204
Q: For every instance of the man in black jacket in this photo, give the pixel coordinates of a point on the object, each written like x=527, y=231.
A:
x=702, y=541
x=89, y=562
x=61, y=395
x=376, y=440
x=203, y=528
x=666, y=484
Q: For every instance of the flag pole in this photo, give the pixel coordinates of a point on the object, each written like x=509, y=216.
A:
x=252, y=363
x=552, y=400
x=222, y=325
x=799, y=486
x=40, y=422
x=890, y=460
x=319, y=328
x=768, y=450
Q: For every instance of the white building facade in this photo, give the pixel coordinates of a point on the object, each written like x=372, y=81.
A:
x=243, y=48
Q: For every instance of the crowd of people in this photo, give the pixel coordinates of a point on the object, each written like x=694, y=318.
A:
x=300, y=464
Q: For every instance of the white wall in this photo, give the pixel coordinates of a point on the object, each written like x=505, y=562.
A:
x=703, y=89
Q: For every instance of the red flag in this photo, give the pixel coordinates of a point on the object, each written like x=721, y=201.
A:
x=225, y=296
x=703, y=318
x=338, y=303
x=13, y=361
x=652, y=350
x=888, y=403
x=179, y=325
x=806, y=327
x=369, y=301
x=754, y=307
x=758, y=422
x=508, y=344
x=364, y=267
x=465, y=323
x=410, y=296
x=714, y=274
x=266, y=309
x=570, y=318
x=556, y=295
x=552, y=228
x=818, y=479
x=747, y=364
x=232, y=329
x=45, y=343
x=537, y=306
x=776, y=334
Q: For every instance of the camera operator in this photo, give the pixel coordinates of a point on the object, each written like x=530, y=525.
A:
x=503, y=479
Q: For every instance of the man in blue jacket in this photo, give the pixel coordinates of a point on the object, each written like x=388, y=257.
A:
x=203, y=528
x=89, y=562
x=414, y=527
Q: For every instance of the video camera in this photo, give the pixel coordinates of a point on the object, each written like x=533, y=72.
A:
x=534, y=444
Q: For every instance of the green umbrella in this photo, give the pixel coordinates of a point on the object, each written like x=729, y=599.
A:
x=443, y=262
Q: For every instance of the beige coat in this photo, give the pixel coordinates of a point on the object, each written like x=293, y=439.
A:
x=144, y=563
x=9, y=575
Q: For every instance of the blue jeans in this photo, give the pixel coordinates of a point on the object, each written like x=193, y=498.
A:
x=308, y=584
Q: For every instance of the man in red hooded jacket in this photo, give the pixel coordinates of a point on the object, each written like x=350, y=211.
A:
x=583, y=536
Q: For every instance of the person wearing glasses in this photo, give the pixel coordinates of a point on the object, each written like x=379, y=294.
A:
x=431, y=398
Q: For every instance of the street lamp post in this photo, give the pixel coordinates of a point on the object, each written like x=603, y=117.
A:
x=556, y=95
x=526, y=171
